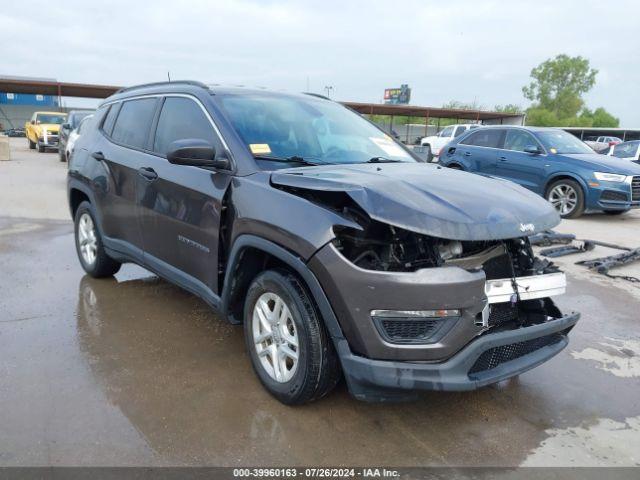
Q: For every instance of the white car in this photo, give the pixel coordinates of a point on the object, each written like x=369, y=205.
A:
x=74, y=135
x=627, y=150
x=444, y=136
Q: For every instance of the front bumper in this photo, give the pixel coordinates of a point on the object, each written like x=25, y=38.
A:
x=615, y=195
x=378, y=380
x=49, y=141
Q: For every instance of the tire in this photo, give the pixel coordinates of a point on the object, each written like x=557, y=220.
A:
x=61, y=155
x=40, y=148
x=317, y=370
x=553, y=195
x=615, y=212
x=98, y=264
x=32, y=145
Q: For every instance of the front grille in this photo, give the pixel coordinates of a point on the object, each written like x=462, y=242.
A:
x=501, y=313
x=498, y=267
x=635, y=188
x=611, y=195
x=408, y=330
x=505, y=353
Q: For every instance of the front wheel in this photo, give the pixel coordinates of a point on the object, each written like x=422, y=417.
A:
x=290, y=349
x=91, y=253
x=41, y=148
x=32, y=145
x=567, y=198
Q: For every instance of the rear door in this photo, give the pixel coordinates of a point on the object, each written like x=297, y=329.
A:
x=478, y=152
x=121, y=148
x=526, y=169
x=180, y=206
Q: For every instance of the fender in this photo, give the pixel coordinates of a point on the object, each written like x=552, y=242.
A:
x=295, y=263
x=572, y=175
x=76, y=184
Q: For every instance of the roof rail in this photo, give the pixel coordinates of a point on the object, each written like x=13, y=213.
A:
x=157, y=84
x=316, y=95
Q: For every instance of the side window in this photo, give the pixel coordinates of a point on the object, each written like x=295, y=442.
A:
x=110, y=120
x=446, y=132
x=459, y=131
x=181, y=118
x=489, y=137
x=517, y=140
x=133, y=122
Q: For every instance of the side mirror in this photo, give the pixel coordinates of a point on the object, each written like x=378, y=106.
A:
x=66, y=126
x=532, y=149
x=33, y=122
x=197, y=153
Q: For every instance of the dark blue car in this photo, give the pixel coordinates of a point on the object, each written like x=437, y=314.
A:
x=551, y=163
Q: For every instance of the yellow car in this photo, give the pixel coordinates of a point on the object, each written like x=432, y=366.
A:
x=43, y=129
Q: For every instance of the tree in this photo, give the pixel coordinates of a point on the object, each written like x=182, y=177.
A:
x=508, y=108
x=559, y=83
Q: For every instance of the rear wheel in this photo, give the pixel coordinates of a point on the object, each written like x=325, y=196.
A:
x=429, y=154
x=290, y=349
x=567, y=198
x=91, y=253
x=61, y=155
x=32, y=145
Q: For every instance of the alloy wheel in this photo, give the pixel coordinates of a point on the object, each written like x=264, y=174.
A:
x=564, y=198
x=275, y=337
x=87, y=239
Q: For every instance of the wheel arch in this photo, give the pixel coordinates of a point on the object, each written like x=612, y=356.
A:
x=564, y=176
x=249, y=256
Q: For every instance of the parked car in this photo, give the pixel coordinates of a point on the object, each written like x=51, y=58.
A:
x=340, y=253
x=627, y=151
x=602, y=144
x=551, y=163
x=74, y=136
x=15, y=132
x=444, y=136
x=73, y=121
x=43, y=128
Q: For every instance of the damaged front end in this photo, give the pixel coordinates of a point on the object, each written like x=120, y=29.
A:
x=422, y=311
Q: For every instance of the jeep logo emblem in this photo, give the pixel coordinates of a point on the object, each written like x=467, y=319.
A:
x=527, y=227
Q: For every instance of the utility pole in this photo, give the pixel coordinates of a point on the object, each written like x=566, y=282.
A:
x=328, y=89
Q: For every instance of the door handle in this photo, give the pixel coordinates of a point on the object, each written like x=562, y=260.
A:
x=148, y=173
x=503, y=159
x=98, y=156
x=467, y=154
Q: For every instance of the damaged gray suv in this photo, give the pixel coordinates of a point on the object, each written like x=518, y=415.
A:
x=340, y=253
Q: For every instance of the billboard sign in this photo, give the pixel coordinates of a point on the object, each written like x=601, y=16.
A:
x=397, y=96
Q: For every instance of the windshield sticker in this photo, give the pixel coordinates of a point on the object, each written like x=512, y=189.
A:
x=260, y=148
x=388, y=146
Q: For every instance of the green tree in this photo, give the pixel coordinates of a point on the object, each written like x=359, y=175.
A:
x=508, y=108
x=558, y=85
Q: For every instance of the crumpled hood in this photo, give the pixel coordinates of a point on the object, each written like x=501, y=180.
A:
x=431, y=200
x=606, y=163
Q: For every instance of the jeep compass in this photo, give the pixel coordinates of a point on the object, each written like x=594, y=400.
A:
x=339, y=252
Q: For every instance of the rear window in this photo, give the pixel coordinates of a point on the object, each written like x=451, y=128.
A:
x=625, y=150
x=110, y=120
x=133, y=122
x=484, y=138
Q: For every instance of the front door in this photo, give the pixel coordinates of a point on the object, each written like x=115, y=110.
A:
x=526, y=169
x=180, y=206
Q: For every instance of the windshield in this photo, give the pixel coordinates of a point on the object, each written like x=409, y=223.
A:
x=561, y=142
x=309, y=129
x=50, y=119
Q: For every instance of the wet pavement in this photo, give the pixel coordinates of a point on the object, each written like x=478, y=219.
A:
x=134, y=371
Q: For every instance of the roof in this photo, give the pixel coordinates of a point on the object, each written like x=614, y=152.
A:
x=65, y=89
x=433, y=112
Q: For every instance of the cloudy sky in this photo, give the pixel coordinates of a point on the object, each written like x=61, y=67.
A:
x=466, y=50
